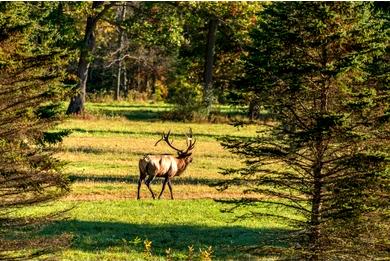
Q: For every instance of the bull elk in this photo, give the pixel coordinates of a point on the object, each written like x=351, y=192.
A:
x=165, y=165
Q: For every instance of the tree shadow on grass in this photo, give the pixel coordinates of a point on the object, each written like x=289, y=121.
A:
x=149, y=112
x=157, y=106
x=92, y=236
x=133, y=115
x=154, y=133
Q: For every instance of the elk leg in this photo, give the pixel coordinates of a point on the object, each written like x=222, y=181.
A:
x=147, y=182
x=163, y=187
x=139, y=187
x=170, y=187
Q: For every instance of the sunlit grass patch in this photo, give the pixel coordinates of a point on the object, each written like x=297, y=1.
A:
x=118, y=188
x=119, y=155
x=117, y=229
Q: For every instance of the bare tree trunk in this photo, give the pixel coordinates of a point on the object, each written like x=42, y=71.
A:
x=125, y=83
x=118, y=82
x=154, y=79
x=146, y=83
x=76, y=105
x=254, y=109
x=209, y=61
x=121, y=17
x=138, y=78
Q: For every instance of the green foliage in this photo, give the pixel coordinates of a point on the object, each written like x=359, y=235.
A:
x=32, y=67
x=235, y=21
x=54, y=137
x=153, y=32
x=187, y=100
x=166, y=41
x=311, y=66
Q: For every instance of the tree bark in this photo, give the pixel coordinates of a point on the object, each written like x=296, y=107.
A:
x=315, y=220
x=154, y=79
x=121, y=17
x=138, y=78
x=118, y=82
x=209, y=61
x=125, y=83
x=318, y=183
x=76, y=105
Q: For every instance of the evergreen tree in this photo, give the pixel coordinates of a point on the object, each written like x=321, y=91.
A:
x=31, y=70
x=318, y=67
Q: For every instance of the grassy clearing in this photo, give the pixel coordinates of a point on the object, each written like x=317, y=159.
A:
x=107, y=149
x=107, y=222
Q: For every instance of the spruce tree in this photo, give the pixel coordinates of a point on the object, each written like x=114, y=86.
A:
x=31, y=70
x=319, y=69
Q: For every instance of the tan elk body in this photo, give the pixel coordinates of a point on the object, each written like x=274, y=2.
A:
x=165, y=165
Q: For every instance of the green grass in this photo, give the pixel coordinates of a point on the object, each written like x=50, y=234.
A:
x=147, y=111
x=103, y=230
x=107, y=222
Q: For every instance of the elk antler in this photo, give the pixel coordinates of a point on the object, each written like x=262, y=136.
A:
x=165, y=138
x=189, y=141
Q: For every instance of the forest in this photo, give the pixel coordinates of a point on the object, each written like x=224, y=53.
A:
x=267, y=121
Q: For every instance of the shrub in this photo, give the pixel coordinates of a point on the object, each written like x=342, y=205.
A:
x=187, y=98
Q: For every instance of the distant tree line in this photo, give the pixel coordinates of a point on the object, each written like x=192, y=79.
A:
x=156, y=48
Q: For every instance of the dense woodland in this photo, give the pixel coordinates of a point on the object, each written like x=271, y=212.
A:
x=320, y=70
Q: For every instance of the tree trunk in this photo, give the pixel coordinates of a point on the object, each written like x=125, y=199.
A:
x=121, y=17
x=138, y=78
x=146, y=83
x=125, y=83
x=209, y=61
x=154, y=79
x=76, y=105
x=118, y=82
x=315, y=220
x=254, y=109
x=318, y=183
